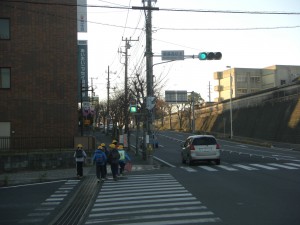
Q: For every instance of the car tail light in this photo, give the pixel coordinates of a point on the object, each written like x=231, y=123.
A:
x=218, y=146
x=192, y=147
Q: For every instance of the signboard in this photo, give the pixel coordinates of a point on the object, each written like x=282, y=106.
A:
x=86, y=108
x=172, y=55
x=82, y=63
x=81, y=16
x=176, y=96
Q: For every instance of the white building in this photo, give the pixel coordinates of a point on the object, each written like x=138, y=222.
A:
x=249, y=80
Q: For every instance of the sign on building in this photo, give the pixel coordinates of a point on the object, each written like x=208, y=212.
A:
x=81, y=15
x=82, y=63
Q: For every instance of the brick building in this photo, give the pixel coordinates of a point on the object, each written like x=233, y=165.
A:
x=38, y=72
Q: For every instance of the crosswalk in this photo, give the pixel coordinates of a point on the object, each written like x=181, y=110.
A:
x=247, y=167
x=50, y=204
x=153, y=199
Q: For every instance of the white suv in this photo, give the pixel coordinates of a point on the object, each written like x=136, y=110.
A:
x=199, y=148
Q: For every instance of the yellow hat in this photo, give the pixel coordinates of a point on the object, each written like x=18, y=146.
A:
x=79, y=146
x=99, y=147
x=120, y=147
x=112, y=146
x=114, y=141
x=102, y=144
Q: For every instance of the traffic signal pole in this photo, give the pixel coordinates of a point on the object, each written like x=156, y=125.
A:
x=149, y=68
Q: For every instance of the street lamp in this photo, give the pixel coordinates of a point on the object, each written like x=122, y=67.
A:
x=231, y=131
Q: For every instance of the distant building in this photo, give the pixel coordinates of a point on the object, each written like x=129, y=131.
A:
x=247, y=80
x=38, y=69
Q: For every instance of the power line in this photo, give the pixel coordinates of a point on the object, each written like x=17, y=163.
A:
x=158, y=28
x=162, y=9
x=227, y=29
x=231, y=11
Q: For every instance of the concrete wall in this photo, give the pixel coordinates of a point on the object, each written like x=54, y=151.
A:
x=273, y=116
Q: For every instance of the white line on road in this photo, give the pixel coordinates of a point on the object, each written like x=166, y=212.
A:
x=263, y=166
x=245, y=167
x=227, y=168
x=208, y=168
x=283, y=166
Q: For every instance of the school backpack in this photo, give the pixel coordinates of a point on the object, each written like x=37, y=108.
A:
x=99, y=158
x=79, y=153
x=114, y=156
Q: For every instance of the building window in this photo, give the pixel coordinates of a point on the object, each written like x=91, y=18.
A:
x=4, y=78
x=255, y=79
x=282, y=82
x=241, y=91
x=254, y=90
x=241, y=78
x=4, y=29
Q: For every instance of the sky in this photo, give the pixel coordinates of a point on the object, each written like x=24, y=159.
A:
x=246, y=40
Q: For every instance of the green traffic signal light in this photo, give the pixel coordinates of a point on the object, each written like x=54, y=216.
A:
x=133, y=109
x=210, y=55
x=202, y=56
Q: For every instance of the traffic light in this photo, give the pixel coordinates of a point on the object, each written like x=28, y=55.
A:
x=133, y=108
x=210, y=55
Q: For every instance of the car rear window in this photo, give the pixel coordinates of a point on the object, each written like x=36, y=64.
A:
x=204, y=141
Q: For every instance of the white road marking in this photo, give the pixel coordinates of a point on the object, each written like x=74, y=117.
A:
x=263, y=166
x=227, y=168
x=283, y=166
x=208, y=168
x=245, y=167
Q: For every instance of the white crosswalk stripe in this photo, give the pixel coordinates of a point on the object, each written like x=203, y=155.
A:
x=248, y=167
x=263, y=166
x=227, y=168
x=293, y=164
x=50, y=204
x=148, y=199
x=189, y=169
x=282, y=166
x=209, y=168
x=245, y=167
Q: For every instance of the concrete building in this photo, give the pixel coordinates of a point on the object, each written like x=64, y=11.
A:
x=38, y=71
x=250, y=80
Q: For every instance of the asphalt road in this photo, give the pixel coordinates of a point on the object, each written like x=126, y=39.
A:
x=36, y=203
x=253, y=185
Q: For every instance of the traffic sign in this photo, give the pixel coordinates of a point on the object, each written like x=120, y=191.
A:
x=172, y=55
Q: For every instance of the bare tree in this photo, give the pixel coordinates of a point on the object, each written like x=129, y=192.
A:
x=169, y=111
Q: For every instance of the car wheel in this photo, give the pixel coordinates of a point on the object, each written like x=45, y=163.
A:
x=218, y=162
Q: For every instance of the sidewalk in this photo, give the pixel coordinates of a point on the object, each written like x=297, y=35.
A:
x=27, y=177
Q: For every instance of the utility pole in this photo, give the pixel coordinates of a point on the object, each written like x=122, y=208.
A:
x=107, y=109
x=149, y=74
x=149, y=68
x=126, y=106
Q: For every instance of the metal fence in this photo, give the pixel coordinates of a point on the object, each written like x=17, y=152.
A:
x=25, y=143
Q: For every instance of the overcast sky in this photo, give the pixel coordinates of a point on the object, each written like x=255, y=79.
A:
x=248, y=39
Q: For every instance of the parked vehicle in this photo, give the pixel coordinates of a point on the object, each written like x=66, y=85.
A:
x=200, y=148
